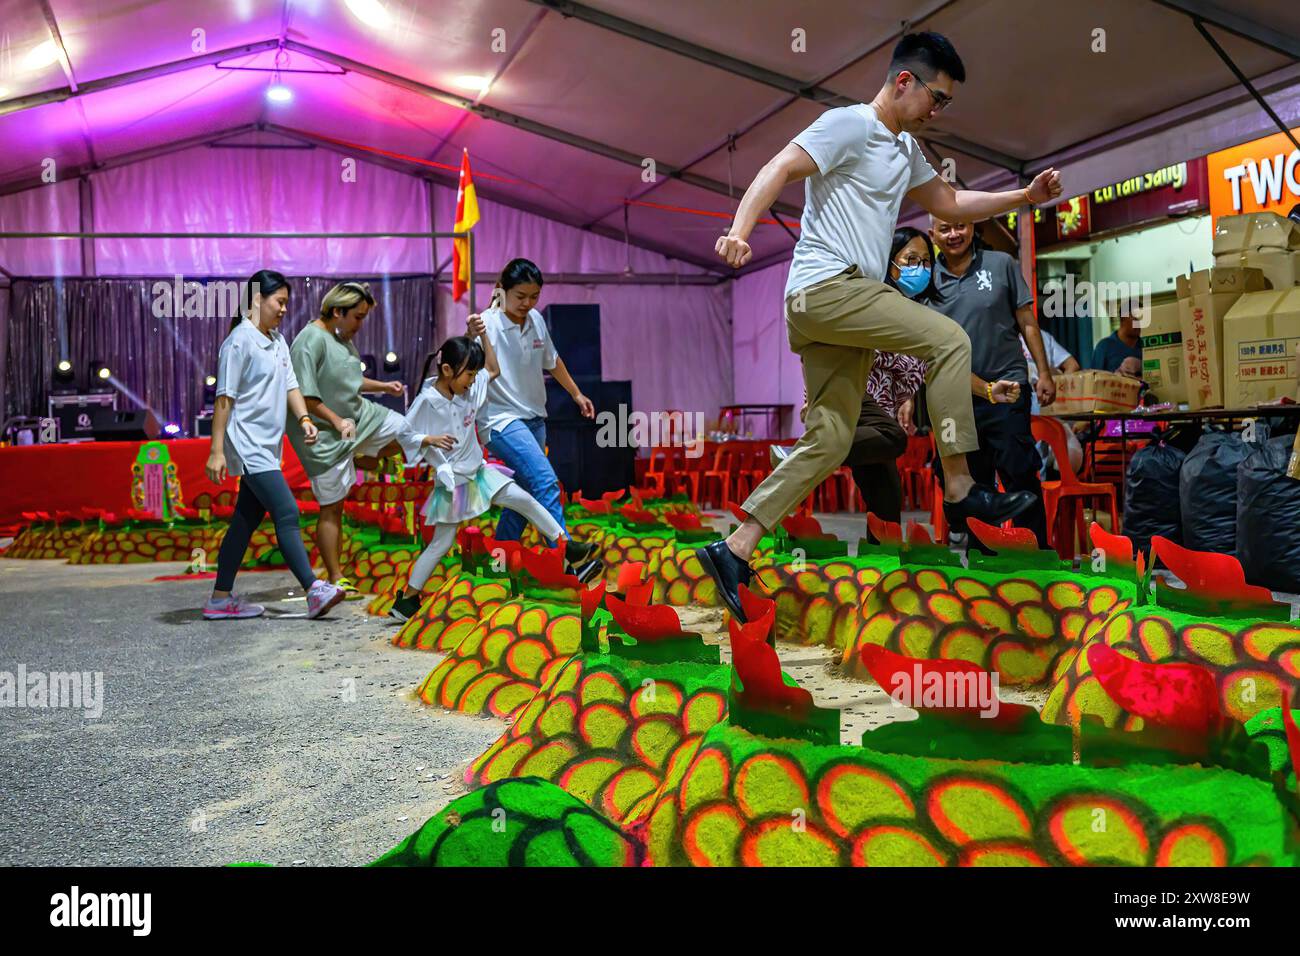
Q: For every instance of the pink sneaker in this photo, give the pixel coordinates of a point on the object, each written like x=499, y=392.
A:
x=322, y=596
x=230, y=607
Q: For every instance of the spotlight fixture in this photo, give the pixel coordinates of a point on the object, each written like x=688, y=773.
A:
x=171, y=429
x=391, y=364
x=209, y=392
x=65, y=380
x=99, y=376
x=368, y=364
x=279, y=93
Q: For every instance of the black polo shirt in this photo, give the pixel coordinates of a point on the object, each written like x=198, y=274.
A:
x=984, y=303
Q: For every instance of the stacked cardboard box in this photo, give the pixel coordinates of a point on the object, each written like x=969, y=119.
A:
x=1260, y=240
x=1261, y=333
x=1163, y=364
x=1204, y=298
x=1093, y=391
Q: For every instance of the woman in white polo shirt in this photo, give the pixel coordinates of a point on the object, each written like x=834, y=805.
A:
x=255, y=382
x=514, y=419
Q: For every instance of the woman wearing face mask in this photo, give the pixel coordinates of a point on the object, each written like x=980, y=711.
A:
x=887, y=407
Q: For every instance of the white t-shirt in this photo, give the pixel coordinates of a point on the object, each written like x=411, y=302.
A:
x=851, y=204
x=524, y=352
x=434, y=414
x=1057, y=354
x=255, y=371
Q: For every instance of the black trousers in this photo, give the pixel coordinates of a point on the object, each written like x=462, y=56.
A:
x=1007, y=452
x=878, y=441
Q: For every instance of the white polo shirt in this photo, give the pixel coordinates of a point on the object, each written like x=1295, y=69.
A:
x=255, y=370
x=851, y=203
x=524, y=352
x=432, y=413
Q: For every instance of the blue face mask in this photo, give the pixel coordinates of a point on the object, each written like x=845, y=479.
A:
x=912, y=280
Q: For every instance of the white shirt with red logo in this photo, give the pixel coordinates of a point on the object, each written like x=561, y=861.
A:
x=524, y=352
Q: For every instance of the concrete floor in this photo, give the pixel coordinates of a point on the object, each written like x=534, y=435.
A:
x=280, y=739
x=219, y=741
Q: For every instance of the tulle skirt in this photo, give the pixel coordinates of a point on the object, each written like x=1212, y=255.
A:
x=469, y=500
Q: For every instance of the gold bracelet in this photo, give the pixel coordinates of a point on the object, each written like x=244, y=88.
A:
x=303, y=418
x=988, y=388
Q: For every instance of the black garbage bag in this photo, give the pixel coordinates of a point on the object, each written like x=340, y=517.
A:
x=1152, y=504
x=1268, y=517
x=1207, y=489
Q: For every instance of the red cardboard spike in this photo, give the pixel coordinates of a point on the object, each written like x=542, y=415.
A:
x=639, y=595
x=591, y=598
x=1180, y=694
x=630, y=574
x=917, y=534
x=633, y=514
x=886, y=532
x=1117, y=548
x=1002, y=539
x=755, y=606
x=547, y=567
x=684, y=521
x=595, y=507
x=612, y=496
x=893, y=671
x=1292, y=740
x=803, y=526
x=737, y=513
x=1210, y=575
x=759, y=670
x=471, y=540
x=644, y=622
x=511, y=550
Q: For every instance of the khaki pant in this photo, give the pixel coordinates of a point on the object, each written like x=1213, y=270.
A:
x=835, y=327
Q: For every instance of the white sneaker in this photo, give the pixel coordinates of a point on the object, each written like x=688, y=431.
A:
x=322, y=596
x=230, y=608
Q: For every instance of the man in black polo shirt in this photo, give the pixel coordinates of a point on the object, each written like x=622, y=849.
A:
x=983, y=292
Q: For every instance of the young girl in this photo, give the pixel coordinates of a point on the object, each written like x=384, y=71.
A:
x=329, y=370
x=465, y=486
x=255, y=381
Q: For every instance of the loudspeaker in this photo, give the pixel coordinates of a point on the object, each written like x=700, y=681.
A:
x=203, y=425
x=127, y=426
x=580, y=462
x=575, y=329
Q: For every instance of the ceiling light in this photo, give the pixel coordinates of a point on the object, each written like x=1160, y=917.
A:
x=370, y=12
x=42, y=56
x=472, y=81
x=279, y=93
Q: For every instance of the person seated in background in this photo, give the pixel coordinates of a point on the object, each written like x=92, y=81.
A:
x=1058, y=357
x=1124, y=343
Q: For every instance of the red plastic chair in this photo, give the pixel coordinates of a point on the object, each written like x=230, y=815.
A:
x=1064, y=500
x=914, y=473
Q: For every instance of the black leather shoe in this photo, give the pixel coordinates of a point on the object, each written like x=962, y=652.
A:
x=728, y=572
x=577, y=553
x=987, y=506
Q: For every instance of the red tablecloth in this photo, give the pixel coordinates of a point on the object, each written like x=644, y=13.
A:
x=98, y=475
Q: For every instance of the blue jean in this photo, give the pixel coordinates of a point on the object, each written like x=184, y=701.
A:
x=519, y=444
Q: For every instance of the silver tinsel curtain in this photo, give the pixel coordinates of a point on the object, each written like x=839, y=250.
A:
x=161, y=361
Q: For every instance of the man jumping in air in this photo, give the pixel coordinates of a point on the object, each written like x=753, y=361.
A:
x=860, y=162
